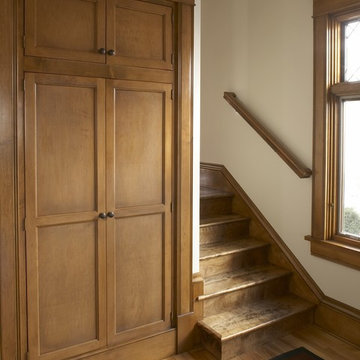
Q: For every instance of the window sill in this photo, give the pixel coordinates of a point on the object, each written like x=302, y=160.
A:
x=335, y=251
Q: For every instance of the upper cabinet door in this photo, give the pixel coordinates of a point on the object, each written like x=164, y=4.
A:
x=65, y=29
x=139, y=34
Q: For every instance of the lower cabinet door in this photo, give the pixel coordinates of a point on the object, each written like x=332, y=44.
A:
x=139, y=193
x=65, y=238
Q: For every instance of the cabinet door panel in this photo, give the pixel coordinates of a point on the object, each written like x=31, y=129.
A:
x=139, y=191
x=140, y=33
x=65, y=29
x=65, y=239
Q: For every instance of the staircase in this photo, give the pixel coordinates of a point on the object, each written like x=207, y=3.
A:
x=246, y=299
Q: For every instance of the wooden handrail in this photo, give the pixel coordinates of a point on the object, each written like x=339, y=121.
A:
x=301, y=170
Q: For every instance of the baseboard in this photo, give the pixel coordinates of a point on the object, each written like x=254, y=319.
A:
x=339, y=319
x=331, y=315
x=156, y=347
x=187, y=334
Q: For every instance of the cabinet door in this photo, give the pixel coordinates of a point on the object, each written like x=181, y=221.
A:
x=65, y=238
x=139, y=191
x=65, y=29
x=140, y=33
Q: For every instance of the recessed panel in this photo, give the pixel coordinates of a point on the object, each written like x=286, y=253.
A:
x=139, y=147
x=66, y=149
x=139, y=271
x=66, y=24
x=141, y=34
x=67, y=276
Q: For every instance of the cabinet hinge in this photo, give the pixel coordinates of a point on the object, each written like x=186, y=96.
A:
x=171, y=207
x=24, y=41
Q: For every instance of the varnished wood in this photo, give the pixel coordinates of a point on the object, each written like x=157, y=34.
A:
x=151, y=348
x=8, y=255
x=68, y=320
x=322, y=7
x=72, y=30
x=335, y=320
x=184, y=165
x=336, y=252
x=139, y=177
x=328, y=88
x=294, y=163
x=312, y=338
x=54, y=66
x=346, y=89
x=140, y=33
x=301, y=283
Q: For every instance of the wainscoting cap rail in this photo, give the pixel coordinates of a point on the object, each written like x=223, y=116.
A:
x=295, y=164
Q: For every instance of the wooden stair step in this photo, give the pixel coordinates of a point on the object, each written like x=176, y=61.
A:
x=246, y=319
x=213, y=250
x=230, y=333
x=210, y=193
x=222, y=219
x=241, y=279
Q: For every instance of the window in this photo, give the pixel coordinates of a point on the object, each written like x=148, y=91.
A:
x=336, y=164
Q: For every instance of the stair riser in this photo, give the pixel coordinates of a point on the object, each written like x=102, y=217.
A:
x=232, y=262
x=228, y=349
x=215, y=206
x=216, y=233
x=245, y=296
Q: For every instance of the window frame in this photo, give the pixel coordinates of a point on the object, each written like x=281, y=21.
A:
x=329, y=92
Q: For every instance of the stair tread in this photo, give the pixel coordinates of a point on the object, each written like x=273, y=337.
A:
x=221, y=219
x=210, y=193
x=229, y=247
x=240, y=321
x=243, y=278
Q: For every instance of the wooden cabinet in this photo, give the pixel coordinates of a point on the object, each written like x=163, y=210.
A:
x=69, y=240
x=138, y=34
x=65, y=192
x=107, y=169
x=139, y=183
x=65, y=29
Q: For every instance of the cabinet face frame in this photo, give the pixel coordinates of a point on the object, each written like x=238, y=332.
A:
x=33, y=49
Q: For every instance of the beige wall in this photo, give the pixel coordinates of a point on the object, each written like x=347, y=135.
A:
x=262, y=50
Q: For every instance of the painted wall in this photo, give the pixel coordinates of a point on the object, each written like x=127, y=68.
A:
x=196, y=134
x=262, y=50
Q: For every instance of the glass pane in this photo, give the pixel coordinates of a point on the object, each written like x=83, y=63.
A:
x=352, y=51
x=350, y=184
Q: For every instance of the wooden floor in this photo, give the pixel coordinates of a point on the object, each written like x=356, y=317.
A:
x=311, y=337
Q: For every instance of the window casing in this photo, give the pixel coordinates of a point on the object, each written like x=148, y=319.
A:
x=331, y=91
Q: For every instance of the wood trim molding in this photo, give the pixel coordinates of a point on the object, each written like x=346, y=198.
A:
x=339, y=319
x=188, y=336
x=336, y=252
x=184, y=161
x=333, y=316
x=323, y=7
x=8, y=262
x=290, y=159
